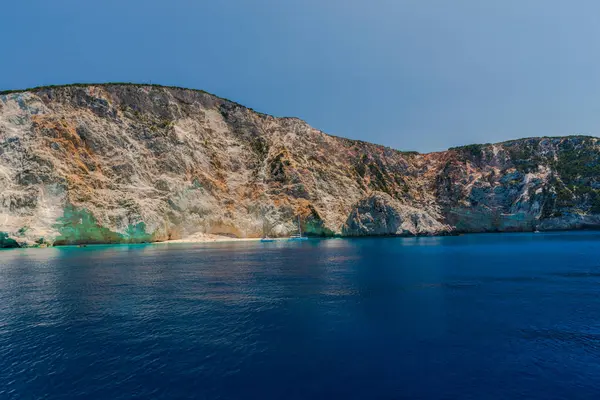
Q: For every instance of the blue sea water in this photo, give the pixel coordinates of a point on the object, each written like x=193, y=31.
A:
x=471, y=317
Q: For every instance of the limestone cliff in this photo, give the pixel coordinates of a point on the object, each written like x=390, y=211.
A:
x=133, y=163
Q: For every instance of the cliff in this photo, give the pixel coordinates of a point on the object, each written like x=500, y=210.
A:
x=133, y=163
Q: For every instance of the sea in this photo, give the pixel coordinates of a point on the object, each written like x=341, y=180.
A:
x=488, y=316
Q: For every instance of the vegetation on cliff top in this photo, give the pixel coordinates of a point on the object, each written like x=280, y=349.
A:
x=84, y=85
x=131, y=84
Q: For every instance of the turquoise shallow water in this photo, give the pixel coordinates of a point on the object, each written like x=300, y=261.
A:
x=469, y=317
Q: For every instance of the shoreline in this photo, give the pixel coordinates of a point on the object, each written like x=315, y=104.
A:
x=210, y=238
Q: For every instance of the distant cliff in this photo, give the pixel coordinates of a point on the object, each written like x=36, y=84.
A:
x=133, y=163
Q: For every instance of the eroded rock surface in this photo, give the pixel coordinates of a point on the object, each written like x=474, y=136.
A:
x=381, y=214
x=132, y=163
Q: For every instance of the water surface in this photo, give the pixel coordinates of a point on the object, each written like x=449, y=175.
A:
x=469, y=317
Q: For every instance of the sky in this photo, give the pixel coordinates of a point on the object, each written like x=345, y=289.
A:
x=419, y=75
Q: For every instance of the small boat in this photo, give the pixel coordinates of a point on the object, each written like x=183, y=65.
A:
x=298, y=236
x=266, y=231
x=295, y=237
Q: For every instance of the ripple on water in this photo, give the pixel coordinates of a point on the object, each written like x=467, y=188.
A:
x=389, y=318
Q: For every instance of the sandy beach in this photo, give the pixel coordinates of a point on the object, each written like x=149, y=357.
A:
x=208, y=238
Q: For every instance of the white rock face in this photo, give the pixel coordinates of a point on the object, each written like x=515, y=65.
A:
x=130, y=163
x=380, y=214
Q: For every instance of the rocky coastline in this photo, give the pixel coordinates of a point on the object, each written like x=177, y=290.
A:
x=124, y=163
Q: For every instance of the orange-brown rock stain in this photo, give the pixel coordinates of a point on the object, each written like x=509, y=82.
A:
x=76, y=153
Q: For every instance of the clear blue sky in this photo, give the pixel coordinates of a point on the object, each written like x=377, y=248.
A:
x=411, y=74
